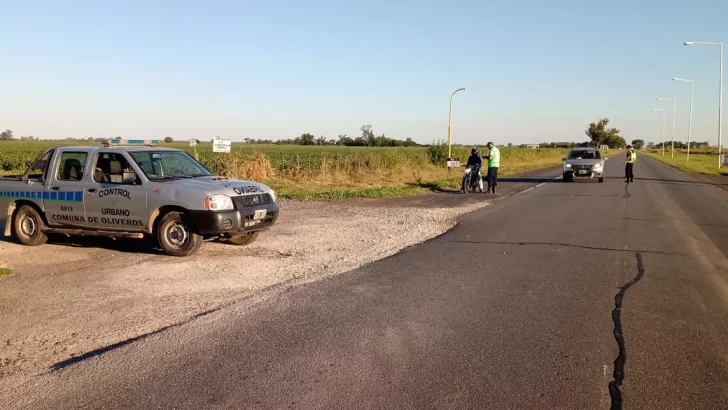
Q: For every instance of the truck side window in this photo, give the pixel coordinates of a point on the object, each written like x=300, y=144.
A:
x=70, y=167
x=113, y=168
x=38, y=168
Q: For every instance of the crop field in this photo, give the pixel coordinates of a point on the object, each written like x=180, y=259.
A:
x=322, y=171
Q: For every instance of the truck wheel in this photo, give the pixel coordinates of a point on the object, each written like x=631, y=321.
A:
x=243, y=239
x=601, y=180
x=28, y=226
x=175, y=236
x=567, y=178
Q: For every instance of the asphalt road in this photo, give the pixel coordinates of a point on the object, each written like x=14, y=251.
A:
x=568, y=296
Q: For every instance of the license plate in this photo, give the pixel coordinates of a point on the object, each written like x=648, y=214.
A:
x=582, y=171
x=260, y=214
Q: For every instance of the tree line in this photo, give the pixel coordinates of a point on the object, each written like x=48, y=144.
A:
x=366, y=139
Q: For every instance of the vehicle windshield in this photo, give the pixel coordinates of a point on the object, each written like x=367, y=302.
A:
x=584, y=154
x=168, y=164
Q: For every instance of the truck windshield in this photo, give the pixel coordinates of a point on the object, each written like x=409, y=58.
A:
x=168, y=164
x=584, y=154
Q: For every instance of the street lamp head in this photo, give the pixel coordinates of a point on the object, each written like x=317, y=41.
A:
x=689, y=43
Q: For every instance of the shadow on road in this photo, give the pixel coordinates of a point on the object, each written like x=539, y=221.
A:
x=569, y=245
x=436, y=187
x=4, y=238
x=672, y=181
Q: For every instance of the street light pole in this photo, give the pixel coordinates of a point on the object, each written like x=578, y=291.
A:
x=449, y=125
x=690, y=121
x=672, y=150
x=663, y=128
x=720, y=95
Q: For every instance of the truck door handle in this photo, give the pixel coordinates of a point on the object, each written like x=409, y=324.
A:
x=55, y=188
x=92, y=190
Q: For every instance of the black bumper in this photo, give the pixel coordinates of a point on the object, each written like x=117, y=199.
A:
x=210, y=223
x=590, y=174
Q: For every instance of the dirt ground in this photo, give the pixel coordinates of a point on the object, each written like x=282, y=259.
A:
x=75, y=295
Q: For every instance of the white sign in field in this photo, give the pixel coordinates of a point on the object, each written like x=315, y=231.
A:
x=453, y=162
x=221, y=145
x=193, y=142
x=725, y=161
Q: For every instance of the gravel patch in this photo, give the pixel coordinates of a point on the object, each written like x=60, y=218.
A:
x=64, y=300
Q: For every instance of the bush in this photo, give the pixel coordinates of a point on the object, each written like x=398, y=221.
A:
x=437, y=152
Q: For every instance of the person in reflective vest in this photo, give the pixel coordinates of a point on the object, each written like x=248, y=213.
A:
x=629, y=164
x=493, y=158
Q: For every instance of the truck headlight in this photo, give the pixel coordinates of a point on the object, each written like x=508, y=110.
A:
x=568, y=165
x=218, y=203
x=597, y=166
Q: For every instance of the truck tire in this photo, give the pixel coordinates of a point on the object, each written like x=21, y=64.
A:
x=28, y=226
x=175, y=236
x=601, y=180
x=243, y=239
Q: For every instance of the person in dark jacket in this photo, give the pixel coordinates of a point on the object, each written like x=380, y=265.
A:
x=476, y=162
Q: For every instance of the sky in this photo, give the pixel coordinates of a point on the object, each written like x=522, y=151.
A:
x=533, y=71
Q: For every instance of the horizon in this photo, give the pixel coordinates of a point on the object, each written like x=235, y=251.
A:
x=249, y=69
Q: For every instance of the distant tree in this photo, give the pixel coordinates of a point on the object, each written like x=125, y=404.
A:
x=321, y=140
x=306, y=139
x=600, y=134
x=614, y=141
x=168, y=140
x=343, y=140
x=510, y=145
x=367, y=135
x=638, y=144
x=247, y=140
x=6, y=135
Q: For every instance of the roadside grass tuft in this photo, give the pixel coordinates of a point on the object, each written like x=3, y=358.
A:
x=5, y=271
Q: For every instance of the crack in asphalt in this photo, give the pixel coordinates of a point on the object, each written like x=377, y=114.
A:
x=615, y=393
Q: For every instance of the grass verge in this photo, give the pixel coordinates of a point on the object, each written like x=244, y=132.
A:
x=5, y=272
x=700, y=163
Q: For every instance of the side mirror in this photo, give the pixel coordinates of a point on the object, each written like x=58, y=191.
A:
x=563, y=159
x=129, y=178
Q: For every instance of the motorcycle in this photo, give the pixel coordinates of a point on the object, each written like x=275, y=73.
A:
x=473, y=179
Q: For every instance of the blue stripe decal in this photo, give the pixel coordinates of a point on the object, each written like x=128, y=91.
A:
x=70, y=196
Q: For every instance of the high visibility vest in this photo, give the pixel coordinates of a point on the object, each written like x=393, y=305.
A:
x=494, y=160
x=633, y=157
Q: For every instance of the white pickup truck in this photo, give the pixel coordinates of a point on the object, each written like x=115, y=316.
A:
x=132, y=189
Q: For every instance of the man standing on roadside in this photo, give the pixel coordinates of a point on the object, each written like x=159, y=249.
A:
x=493, y=158
x=629, y=164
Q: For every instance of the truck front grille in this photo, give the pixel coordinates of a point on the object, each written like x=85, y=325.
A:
x=251, y=200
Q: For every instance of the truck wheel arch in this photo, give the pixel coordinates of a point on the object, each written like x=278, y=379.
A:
x=158, y=213
x=11, y=214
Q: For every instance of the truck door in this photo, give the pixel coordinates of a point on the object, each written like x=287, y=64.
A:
x=63, y=198
x=116, y=199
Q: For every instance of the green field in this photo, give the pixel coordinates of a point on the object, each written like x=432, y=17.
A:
x=701, y=162
x=323, y=171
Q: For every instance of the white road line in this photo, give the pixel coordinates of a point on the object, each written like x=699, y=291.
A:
x=534, y=187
